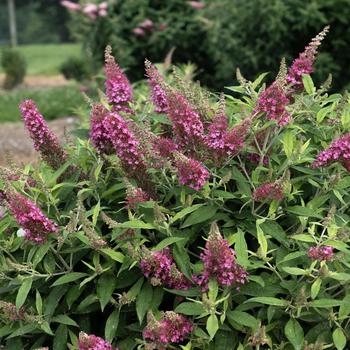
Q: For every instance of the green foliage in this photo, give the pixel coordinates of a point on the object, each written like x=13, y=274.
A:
x=250, y=34
x=88, y=277
x=14, y=66
x=76, y=68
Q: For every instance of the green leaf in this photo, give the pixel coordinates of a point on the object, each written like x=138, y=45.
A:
x=294, y=271
x=64, y=319
x=105, y=288
x=344, y=309
x=60, y=339
x=242, y=318
x=339, y=339
x=185, y=212
x=28, y=328
x=202, y=214
x=212, y=325
x=291, y=256
x=268, y=301
x=294, y=333
x=325, y=303
x=112, y=326
x=315, y=288
x=339, y=276
x=261, y=238
x=213, y=289
x=303, y=238
x=241, y=249
x=23, y=292
x=308, y=84
x=70, y=277
x=38, y=303
x=144, y=301
x=303, y=211
x=167, y=241
x=274, y=230
x=190, y=309
x=135, y=224
x=288, y=143
x=116, y=256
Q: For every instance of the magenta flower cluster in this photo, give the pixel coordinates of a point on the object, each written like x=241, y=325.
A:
x=90, y=10
x=118, y=88
x=339, y=150
x=92, y=342
x=158, y=95
x=191, y=172
x=323, y=253
x=304, y=63
x=187, y=125
x=273, y=102
x=35, y=224
x=165, y=147
x=220, y=263
x=172, y=328
x=44, y=140
x=160, y=268
x=124, y=143
x=99, y=135
x=268, y=191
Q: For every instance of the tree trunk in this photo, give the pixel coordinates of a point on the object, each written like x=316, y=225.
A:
x=12, y=22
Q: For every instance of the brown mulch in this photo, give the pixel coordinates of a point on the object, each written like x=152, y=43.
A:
x=14, y=140
x=40, y=81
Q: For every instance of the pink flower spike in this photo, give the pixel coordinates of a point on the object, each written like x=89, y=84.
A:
x=172, y=328
x=45, y=141
x=139, y=32
x=219, y=262
x=187, y=125
x=92, y=342
x=339, y=150
x=35, y=224
x=71, y=6
x=268, y=191
x=159, y=267
x=147, y=24
x=118, y=88
x=197, y=5
x=99, y=135
x=191, y=172
x=323, y=253
x=273, y=102
x=304, y=63
x=155, y=81
x=103, y=6
x=125, y=144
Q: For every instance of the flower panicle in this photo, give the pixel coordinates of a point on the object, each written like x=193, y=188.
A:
x=191, y=172
x=118, y=88
x=269, y=191
x=160, y=268
x=219, y=262
x=171, y=328
x=92, y=342
x=323, y=253
x=35, y=224
x=44, y=140
x=156, y=83
x=304, y=63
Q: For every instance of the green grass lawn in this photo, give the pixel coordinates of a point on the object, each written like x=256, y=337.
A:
x=52, y=102
x=46, y=59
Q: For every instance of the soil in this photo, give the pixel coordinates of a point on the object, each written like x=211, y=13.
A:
x=15, y=142
x=40, y=81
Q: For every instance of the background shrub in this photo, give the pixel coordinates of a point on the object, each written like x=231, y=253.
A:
x=14, y=66
x=76, y=68
x=252, y=35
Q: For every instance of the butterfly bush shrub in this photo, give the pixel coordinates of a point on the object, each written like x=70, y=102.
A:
x=180, y=219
